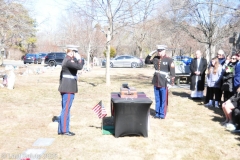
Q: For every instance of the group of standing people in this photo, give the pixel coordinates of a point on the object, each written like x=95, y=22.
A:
x=221, y=75
x=223, y=78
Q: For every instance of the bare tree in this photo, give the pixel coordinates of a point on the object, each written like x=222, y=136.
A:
x=207, y=21
x=139, y=22
x=113, y=15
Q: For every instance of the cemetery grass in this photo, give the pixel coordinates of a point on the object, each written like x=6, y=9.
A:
x=190, y=130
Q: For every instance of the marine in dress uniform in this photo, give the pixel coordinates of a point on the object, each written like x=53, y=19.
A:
x=68, y=87
x=164, y=74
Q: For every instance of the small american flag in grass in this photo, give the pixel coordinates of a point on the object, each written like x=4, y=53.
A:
x=100, y=110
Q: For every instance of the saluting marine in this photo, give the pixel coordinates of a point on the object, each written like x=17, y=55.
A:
x=164, y=74
x=68, y=87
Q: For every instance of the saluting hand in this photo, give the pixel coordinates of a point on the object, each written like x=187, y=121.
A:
x=77, y=56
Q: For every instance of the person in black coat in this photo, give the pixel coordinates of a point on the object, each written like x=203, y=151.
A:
x=236, y=118
x=228, y=74
x=68, y=87
x=198, y=67
x=222, y=60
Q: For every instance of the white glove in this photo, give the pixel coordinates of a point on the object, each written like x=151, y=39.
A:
x=77, y=56
x=151, y=53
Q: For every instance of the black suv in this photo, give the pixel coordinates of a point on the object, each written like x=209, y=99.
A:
x=54, y=58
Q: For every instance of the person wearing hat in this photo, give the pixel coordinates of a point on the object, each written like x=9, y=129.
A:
x=221, y=57
x=164, y=74
x=68, y=87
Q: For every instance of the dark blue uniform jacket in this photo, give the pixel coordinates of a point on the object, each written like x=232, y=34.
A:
x=68, y=75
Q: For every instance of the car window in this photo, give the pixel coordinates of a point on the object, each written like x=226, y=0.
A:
x=29, y=55
x=128, y=57
x=60, y=55
x=42, y=54
x=120, y=58
x=51, y=54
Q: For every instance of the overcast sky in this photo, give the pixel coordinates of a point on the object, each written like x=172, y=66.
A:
x=46, y=12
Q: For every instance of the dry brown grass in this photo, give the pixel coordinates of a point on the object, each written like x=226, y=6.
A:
x=190, y=130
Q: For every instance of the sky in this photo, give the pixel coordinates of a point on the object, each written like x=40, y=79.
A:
x=46, y=12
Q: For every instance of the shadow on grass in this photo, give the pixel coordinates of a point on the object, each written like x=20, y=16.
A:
x=152, y=112
x=185, y=94
x=93, y=82
x=181, y=94
x=218, y=119
x=219, y=112
x=95, y=127
x=238, y=138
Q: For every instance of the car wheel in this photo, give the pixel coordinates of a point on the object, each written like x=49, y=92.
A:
x=134, y=65
x=111, y=65
x=24, y=62
x=51, y=63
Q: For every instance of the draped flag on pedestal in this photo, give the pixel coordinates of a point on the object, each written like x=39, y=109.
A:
x=100, y=110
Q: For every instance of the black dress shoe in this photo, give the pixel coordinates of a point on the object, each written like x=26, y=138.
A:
x=71, y=133
x=55, y=118
x=68, y=134
x=156, y=117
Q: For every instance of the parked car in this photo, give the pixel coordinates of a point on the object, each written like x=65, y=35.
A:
x=29, y=58
x=40, y=58
x=185, y=59
x=125, y=61
x=104, y=62
x=54, y=58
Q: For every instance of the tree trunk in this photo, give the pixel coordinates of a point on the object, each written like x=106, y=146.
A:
x=140, y=51
x=210, y=52
x=108, y=82
x=88, y=56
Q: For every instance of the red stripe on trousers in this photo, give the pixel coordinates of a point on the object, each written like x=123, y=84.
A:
x=66, y=114
x=166, y=103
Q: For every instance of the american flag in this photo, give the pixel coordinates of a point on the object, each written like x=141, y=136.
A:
x=100, y=110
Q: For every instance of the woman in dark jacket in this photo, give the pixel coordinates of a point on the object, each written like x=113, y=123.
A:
x=228, y=75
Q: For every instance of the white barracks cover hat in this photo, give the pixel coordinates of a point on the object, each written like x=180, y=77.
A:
x=72, y=47
x=161, y=47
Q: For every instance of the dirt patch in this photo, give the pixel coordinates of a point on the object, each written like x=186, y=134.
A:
x=190, y=131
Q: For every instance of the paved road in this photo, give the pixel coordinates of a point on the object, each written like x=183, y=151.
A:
x=12, y=62
x=17, y=63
